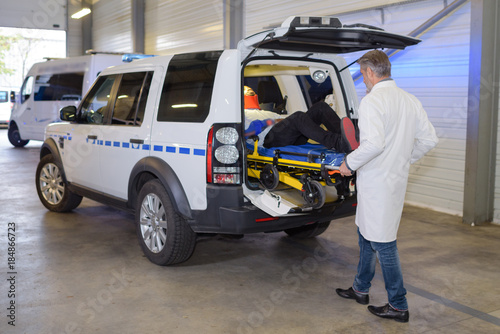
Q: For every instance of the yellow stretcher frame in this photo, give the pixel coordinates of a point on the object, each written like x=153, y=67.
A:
x=296, y=174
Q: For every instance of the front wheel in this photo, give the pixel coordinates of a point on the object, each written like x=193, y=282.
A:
x=165, y=236
x=15, y=137
x=52, y=189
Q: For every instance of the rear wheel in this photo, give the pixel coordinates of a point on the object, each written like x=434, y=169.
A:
x=165, y=236
x=15, y=136
x=308, y=231
x=52, y=189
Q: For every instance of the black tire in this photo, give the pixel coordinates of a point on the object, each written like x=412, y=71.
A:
x=15, y=137
x=269, y=177
x=165, y=236
x=52, y=188
x=314, y=194
x=308, y=231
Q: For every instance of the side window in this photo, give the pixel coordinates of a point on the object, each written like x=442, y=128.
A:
x=4, y=96
x=131, y=98
x=313, y=91
x=26, y=89
x=59, y=87
x=97, y=103
x=188, y=86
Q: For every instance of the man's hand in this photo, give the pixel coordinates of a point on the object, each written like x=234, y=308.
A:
x=344, y=171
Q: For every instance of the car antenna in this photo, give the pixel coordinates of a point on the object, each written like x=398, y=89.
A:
x=270, y=35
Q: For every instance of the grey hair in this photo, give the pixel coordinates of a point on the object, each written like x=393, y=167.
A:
x=378, y=61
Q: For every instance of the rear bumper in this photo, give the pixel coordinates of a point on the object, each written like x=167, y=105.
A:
x=227, y=213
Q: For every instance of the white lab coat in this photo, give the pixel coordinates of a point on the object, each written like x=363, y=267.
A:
x=394, y=133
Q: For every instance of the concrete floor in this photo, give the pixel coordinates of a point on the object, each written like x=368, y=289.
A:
x=83, y=272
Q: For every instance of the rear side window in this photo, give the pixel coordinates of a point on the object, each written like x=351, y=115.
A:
x=59, y=87
x=131, y=98
x=4, y=96
x=188, y=86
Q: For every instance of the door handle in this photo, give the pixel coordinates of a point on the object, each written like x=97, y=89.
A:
x=136, y=141
x=92, y=137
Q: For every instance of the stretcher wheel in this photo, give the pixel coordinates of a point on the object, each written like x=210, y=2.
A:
x=314, y=194
x=270, y=177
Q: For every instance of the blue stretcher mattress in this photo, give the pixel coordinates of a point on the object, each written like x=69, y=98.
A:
x=332, y=157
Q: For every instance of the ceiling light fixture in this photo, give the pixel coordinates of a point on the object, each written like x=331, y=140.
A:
x=81, y=13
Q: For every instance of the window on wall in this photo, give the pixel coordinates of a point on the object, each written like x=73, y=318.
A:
x=59, y=87
x=188, y=86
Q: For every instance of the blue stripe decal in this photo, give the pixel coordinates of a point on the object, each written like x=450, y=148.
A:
x=170, y=149
x=184, y=150
x=116, y=144
x=145, y=147
x=197, y=151
x=107, y=143
x=100, y=142
x=125, y=145
x=158, y=148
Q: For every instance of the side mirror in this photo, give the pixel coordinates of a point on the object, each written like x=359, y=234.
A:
x=13, y=97
x=68, y=113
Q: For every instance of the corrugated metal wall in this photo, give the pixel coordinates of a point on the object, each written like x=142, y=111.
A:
x=112, y=26
x=496, y=213
x=183, y=26
x=436, y=70
x=74, y=33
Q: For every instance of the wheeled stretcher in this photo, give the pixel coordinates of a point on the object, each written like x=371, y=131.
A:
x=309, y=168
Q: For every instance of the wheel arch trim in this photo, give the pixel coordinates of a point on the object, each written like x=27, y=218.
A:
x=161, y=170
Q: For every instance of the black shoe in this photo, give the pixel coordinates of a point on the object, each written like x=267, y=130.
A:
x=389, y=312
x=361, y=298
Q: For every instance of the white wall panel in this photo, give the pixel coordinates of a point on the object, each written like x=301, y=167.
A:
x=436, y=71
x=33, y=14
x=183, y=26
x=112, y=26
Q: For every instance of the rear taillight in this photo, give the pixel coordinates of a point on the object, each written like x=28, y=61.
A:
x=224, y=154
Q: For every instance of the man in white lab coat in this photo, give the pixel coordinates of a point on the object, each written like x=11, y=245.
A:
x=394, y=133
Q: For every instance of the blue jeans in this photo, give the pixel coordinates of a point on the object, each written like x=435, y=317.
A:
x=387, y=253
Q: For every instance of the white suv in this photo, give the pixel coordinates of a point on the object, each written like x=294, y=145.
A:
x=162, y=137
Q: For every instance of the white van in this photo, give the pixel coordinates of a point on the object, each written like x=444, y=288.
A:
x=48, y=87
x=5, y=105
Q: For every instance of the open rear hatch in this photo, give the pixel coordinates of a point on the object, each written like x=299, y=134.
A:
x=301, y=37
x=325, y=35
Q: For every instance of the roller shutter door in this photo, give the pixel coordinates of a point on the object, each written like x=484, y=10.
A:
x=436, y=71
x=183, y=26
x=112, y=26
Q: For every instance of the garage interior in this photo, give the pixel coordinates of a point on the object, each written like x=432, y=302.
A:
x=84, y=272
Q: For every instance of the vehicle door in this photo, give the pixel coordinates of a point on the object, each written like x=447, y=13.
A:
x=126, y=134
x=81, y=157
x=22, y=113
